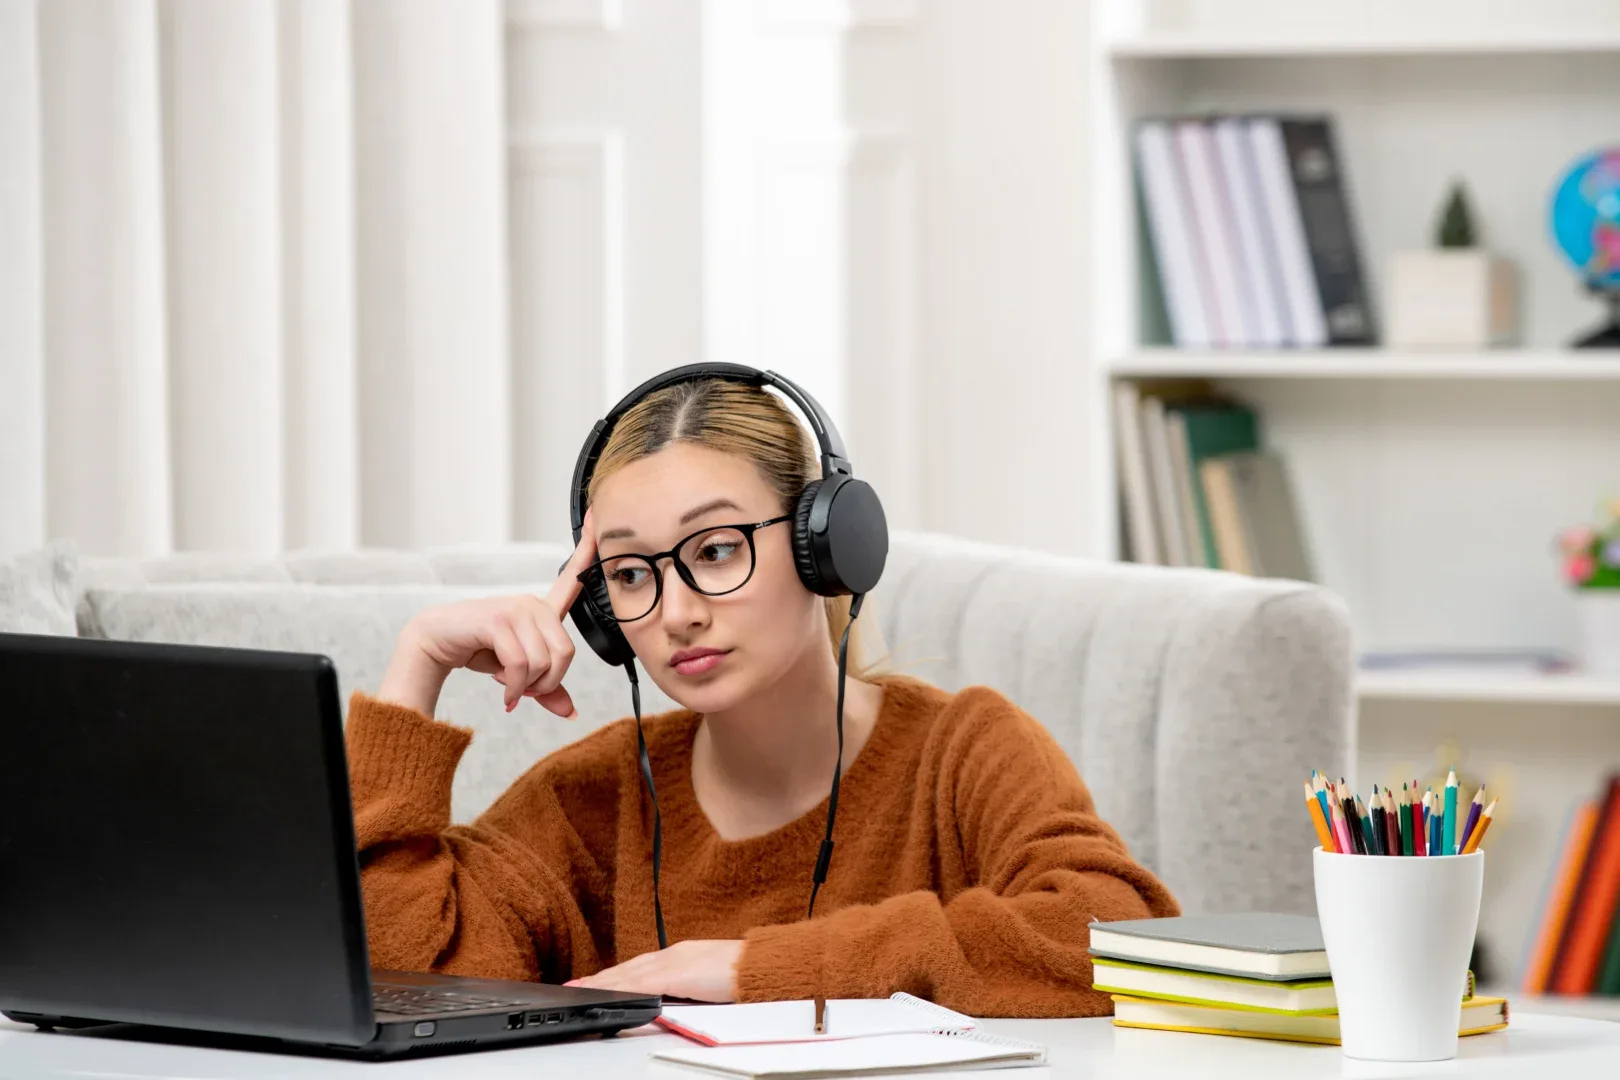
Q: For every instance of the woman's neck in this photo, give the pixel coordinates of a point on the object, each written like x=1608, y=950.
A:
x=770, y=760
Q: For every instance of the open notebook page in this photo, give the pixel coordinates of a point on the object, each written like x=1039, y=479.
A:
x=795, y=1021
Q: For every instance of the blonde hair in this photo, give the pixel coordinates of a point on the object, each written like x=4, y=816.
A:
x=751, y=423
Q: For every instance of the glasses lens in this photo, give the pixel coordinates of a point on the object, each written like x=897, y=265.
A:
x=720, y=560
x=630, y=585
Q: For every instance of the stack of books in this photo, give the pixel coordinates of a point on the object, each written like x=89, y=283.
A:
x=1197, y=488
x=1260, y=976
x=1251, y=232
x=1576, y=947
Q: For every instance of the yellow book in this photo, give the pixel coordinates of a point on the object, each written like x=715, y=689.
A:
x=1475, y=1017
x=1208, y=988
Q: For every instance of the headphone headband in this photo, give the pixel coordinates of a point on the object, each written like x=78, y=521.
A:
x=834, y=459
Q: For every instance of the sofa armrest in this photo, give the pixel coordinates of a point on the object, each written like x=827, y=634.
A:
x=1254, y=694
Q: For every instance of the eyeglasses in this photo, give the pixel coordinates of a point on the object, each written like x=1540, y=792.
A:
x=714, y=561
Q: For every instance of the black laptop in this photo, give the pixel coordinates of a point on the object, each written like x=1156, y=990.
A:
x=177, y=851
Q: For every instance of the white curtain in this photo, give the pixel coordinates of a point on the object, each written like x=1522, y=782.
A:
x=253, y=274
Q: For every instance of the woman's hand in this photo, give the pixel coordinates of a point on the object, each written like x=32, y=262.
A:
x=695, y=970
x=518, y=640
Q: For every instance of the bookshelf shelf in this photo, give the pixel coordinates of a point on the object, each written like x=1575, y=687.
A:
x=1178, y=46
x=1544, y=365
x=1565, y=689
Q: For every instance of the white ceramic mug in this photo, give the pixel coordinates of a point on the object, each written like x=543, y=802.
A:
x=1399, y=931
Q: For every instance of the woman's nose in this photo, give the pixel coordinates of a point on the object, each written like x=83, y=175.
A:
x=683, y=606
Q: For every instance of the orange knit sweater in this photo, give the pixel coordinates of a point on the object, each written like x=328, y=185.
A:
x=969, y=860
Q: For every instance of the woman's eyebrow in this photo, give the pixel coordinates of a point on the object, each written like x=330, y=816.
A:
x=687, y=518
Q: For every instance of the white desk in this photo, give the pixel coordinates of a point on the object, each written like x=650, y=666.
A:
x=1535, y=1044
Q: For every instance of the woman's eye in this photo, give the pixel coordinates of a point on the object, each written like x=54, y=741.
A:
x=628, y=577
x=717, y=550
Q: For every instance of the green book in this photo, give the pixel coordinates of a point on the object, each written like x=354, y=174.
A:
x=1608, y=980
x=1212, y=430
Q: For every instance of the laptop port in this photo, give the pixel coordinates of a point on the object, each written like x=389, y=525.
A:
x=554, y=1018
x=534, y=1018
x=514, y=1021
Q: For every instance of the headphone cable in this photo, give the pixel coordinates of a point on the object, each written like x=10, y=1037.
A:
x=658, y=818
x=824, y=858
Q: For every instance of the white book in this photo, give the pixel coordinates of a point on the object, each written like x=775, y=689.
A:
x=758, y=1022
x=1141, y=527
x=1258, y=261
x=1229, y=324
x=1281, y=207
x=1161, y=466
x=879, y=1056
x=1171, y=230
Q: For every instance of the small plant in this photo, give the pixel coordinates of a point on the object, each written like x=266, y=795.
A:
x=1456, y=228
x=1592, y=555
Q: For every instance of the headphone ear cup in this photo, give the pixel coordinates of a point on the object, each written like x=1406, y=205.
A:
x=804, y=554
x=600, y=632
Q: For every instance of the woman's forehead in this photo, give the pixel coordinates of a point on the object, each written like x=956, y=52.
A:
x=678, y=489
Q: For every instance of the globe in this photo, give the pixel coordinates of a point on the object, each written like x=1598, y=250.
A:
x=1586, y=218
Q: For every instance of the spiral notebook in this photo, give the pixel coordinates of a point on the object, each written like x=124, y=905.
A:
x=764, y=1022
x=878, y=1055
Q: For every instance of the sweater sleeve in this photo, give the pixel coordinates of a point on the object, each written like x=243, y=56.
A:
x=1040, y=866
x=506, y=897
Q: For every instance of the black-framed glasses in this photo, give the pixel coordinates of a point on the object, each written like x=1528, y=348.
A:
x=715, y=560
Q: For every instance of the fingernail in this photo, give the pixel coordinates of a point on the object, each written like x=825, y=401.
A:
x=573, y=714
x=510, y=705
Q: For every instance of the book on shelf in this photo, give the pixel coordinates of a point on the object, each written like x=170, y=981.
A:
x=1250, y=232
x=1195, y=490
x=1470, y=661
x=1575, y=945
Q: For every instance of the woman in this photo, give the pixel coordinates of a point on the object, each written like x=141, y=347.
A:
x=970, y=858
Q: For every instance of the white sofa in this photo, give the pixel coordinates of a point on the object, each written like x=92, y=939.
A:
x=1192, y=702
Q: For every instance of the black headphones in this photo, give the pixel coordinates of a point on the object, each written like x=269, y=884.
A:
x=840, y=535
x=840, y=543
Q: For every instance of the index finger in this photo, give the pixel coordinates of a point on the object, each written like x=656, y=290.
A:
x=566, y=589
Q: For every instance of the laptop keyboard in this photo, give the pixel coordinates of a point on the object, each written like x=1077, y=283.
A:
x=417, y=1001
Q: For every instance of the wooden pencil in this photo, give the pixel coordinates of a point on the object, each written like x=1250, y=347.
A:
x=1314, y=806
x=1379, y=832
x=1367, y=843
x=1407, y=845
x=1420, y=822
x=1448, y=835
x=1392, y=824
x=1352, y=826
x=1341, y=828
x=1479, y=830
x=1472, y=818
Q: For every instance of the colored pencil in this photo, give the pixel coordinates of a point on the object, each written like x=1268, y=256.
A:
x=1420, y=822
x=1479, y=830
x=1341, y=828
x=1378, y=824
x=1351, y=825
x=1448, y=838
x=1368, y=845
x=1321, y=796
x=1472, y=818
x=1392, y=825
x=1315, y=809
x=1437, y=820
x=1407, y=845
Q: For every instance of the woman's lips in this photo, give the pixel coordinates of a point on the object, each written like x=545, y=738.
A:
x=700, y=664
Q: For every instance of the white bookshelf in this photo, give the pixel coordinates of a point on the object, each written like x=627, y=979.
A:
x=1521, y=365
x=1431, y=485
x=1488, y=688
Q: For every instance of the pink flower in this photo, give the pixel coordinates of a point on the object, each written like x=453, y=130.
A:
x=1577, y=539
x=1580, y=568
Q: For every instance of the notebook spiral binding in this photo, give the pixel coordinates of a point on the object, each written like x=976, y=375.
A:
x=948, y=1020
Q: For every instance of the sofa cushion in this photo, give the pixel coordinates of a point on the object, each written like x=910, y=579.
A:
x=356, y=626
x=38, y=590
